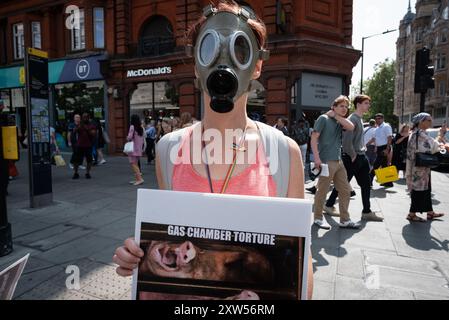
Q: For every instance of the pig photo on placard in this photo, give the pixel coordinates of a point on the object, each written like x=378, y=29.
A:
x=185, y=262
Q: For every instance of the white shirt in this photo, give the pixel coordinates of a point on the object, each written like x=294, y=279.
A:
x=368, y=134
x=382, y=133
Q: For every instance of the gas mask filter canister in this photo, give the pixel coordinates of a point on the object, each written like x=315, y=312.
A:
x=226, y=53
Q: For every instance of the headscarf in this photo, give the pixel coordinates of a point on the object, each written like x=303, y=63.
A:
x=420, y=117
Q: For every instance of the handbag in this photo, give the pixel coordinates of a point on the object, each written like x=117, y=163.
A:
x=128, y=148
x=423, y=159
x=12, y=169
x=387, y=174
x=59, y=160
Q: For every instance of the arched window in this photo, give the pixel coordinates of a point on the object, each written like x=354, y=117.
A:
x=156, y=37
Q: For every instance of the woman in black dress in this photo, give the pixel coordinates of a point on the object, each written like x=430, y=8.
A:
x=400, y=148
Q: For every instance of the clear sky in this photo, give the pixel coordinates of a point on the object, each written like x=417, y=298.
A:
x=372, y=17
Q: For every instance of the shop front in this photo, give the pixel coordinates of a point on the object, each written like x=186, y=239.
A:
x=76, y=86
x=313, y=94
x=152, y=90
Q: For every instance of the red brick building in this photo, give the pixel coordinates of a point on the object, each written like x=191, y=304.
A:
x=133, y=51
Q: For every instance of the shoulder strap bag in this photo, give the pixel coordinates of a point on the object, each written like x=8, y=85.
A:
x=423, y=159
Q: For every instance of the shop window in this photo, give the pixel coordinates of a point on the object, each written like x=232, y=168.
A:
x=156, y=37
x=99, y=28
x=153, y=99
x=76, y=98
x=78, y=36
x=19, y=41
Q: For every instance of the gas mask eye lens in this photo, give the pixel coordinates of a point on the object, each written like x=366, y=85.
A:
x=209, y=47
x=241, y=50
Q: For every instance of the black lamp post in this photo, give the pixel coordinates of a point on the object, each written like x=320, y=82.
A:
x=363, y=53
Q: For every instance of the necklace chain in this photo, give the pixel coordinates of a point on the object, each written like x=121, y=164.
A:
x=231, y=169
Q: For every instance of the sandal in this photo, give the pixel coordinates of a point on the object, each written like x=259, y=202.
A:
x=431, y=216
x=415, y=218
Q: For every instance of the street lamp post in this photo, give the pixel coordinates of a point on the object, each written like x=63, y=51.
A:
x=363, y=53
x=403, y=77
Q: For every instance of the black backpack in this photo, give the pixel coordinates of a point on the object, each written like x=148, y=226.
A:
x=301, y=136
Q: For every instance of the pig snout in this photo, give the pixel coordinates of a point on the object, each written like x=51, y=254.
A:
x=245, y=295
x=248, y=295
x=186, y=253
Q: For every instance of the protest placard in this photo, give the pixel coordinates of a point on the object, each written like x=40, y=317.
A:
x=211, y=246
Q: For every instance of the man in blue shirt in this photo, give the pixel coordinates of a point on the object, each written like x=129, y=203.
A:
x=151, y=138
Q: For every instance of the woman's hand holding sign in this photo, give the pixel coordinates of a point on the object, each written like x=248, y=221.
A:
x=127, y=257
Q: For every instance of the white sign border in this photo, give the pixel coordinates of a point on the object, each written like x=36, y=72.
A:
x=219, y=221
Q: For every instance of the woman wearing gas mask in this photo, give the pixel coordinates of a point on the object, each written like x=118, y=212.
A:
x=228, y=46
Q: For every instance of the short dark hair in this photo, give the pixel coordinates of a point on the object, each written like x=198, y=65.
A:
x=379, y=115
x=360, y=98
x=372, y=122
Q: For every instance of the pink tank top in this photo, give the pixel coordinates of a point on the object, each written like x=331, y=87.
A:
x=255, y=180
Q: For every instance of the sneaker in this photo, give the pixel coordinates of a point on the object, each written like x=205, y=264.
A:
x=82, y=167
x=88, y=176
x=71, y=166
x=76, y=176
x=349, y=224
x=331, y=211
x=322, y=224
x=312, y=190
x=138, y=183
x=103, y=161
x=372, y=216
x=132, y=182
x=353, y=193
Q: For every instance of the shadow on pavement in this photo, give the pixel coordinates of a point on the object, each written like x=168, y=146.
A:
x=331, y=241
x=425, y=241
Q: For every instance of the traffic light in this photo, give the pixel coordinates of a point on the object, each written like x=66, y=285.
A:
x=423, y=71
x=428, y=76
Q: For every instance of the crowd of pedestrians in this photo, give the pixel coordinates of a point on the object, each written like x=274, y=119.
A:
x=347, y=147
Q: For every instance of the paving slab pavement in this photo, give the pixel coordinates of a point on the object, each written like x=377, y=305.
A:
x=90, y=218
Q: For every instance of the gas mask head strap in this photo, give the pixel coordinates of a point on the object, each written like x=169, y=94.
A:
x=244, y=14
